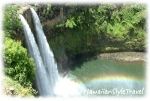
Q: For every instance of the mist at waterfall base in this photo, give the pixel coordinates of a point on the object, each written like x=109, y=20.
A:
x=50, y=83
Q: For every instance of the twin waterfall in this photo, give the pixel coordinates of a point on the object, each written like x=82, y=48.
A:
x=46, y=68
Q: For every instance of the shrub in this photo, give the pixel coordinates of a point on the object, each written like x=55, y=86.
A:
x=18, y=65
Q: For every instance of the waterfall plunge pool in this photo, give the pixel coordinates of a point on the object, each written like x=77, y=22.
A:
x=103, y=77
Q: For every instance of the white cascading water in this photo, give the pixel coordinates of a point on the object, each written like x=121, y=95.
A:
x=45, y=51
x=41, y=74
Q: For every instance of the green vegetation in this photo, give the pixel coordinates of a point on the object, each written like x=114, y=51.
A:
x=18, y=65
x=12, y=25
x=104, y=28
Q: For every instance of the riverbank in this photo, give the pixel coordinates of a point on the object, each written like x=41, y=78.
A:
x=124, y=56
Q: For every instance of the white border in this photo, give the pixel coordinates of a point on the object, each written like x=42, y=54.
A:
x=146, y=97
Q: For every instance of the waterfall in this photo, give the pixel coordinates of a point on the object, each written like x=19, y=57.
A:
x=48, y=81
x=46, y=68
x=46, y=52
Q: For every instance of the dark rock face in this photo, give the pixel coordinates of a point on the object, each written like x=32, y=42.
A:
x=25, y=11
x=28, y=16
x=63, y=64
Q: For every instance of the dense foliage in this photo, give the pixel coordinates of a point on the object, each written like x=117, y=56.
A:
x=101, y=28
x=18, y=65
x=12, y=26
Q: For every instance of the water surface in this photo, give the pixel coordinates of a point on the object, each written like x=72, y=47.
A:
x=111, y=75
